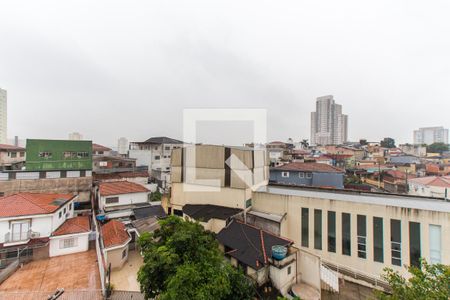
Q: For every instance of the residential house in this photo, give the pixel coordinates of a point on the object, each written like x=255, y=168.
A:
x=11, y=157
x=437, y=169
x=212, y=217
x=139, y=177
x=115, y=243
x=308, y=174
x=431, y=186
x=43, y=223
x=395, y=181
x=120, y=195
x=252, y=249
x=278, y=152
x=98, y=149
x=112, y=164
x=155, y=153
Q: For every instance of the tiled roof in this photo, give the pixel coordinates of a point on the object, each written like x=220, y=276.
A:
x=249, y=244
x=120, y=187
x=78, y=224
x=398, y=174
x=25, y=204
x=98, y=147
x=432, y=181
x=11, y=147
x=309, y=167
x=114, y=233
x=162, y=140
x=121, y=175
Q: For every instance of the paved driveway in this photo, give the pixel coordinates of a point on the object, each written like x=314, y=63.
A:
x=77, y=273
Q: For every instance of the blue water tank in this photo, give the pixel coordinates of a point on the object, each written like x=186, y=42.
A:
x=279, y=252
x=101, y=218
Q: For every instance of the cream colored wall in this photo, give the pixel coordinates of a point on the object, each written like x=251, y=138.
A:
x=228, y=197
x=291, y=228
x=280, y=277
x=114, y=257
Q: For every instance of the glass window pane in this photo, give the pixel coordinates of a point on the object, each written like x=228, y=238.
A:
x=346, y=235
x=332, y=231
x=305, y=227
x=396, y=242
x=362, y=234
x=318, y=229
x=378, y=239
x=435, y=244
x=414, y=244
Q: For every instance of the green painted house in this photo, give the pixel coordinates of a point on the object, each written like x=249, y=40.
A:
x=45, y=155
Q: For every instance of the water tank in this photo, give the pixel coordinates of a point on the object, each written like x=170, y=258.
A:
x=279, y=252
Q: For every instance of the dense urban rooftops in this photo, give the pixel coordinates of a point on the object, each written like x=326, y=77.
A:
x=120, y=187
x=309, y=167
x=25, y=204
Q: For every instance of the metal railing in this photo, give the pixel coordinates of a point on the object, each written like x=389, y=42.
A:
x=13, y=237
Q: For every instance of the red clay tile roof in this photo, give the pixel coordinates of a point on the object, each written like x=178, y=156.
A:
x=98, y=147
x=11, y=147
x=433, y=181
x=25, y=204
x=398, y=174
x=78, y=224
x=114, y=234
x=120, y=187
x=309, y=167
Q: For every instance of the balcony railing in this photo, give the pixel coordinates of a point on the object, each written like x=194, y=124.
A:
x=17, y=237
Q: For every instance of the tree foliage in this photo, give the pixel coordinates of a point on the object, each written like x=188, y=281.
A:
x=430, y=281
x=155, y=196
x=183, y=261
x=437, y=148
x=387, y=143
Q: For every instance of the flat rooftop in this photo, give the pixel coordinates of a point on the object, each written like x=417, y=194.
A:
x=414, y=202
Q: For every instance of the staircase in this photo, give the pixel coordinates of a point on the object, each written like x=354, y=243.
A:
x=329, y=279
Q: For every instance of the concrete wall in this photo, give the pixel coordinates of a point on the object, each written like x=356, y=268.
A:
x=317, y=179
x=309, y=269
x=82, y=244
x=291, y=228
x=124, y=199
x=114, y=257
x=281, y=278
x=81, y=186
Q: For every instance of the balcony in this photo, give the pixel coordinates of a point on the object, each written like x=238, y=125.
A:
x=20, y=237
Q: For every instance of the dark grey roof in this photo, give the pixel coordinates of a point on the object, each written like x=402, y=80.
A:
x=205, y=212
x=148, y=224
x=246, y=243
x=162, y=140
x=149, y=211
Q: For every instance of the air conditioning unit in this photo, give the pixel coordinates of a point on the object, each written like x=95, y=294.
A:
x=34, y=235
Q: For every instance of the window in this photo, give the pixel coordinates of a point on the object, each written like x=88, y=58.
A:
x=68, y=243
x=13, y=154
x=20, y=231
x=112, y=200
x=157, y=157
x=22, y=154
x=45, y=154
x=60, y=214
x=65, y=210
x=67, y=154
x=435, y=244
x=248, y=203
x=378, y=239
x=284, y=174
x=318, y=229
x=346, y=235
x=82, y=154
x=124, y=253
x=309, y=175
x=361, y=233
x=331, y=231
x=167, y=148
x=301, y=175
x=70, y=206
x=414, y=244
x=396, y=242
x=305, y=227
x=289, y=270
x=178, y=212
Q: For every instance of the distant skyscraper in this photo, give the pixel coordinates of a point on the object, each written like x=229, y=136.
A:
x=328, y=124
x=75, y=136
x=3, y=117
x=430, y=135
x=122, y=146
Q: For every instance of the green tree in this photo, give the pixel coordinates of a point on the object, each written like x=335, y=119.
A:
x=304, y=143
x=437, y=148
x=388, y=143
x=430, y=281
x=155, y=196
x=183, y=261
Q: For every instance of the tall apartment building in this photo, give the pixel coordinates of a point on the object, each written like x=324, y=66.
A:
x=430, y=135
x=328, y=124
x=3, y=117
x=75, y=136
x=122, y=146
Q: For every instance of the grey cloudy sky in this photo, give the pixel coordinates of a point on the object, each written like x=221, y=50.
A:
x=109, y=69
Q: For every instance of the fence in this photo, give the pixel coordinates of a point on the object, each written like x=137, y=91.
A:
x=100, y=258
x=33, y=175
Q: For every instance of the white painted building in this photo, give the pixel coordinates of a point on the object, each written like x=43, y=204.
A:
x=430, y=186
x=3, y=117
x=122, y=146
x=118, y=195
x=45, y=221
x=75, y=136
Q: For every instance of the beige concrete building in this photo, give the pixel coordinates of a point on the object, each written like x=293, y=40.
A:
x=360, y=233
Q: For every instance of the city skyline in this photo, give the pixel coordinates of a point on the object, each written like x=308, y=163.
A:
x=391, y=76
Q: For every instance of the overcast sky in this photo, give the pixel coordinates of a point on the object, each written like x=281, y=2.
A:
x=109, y=69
